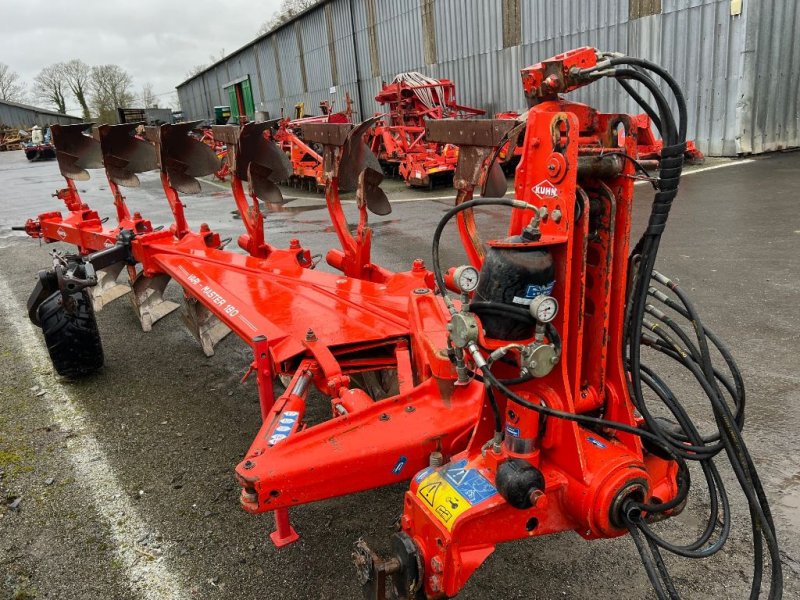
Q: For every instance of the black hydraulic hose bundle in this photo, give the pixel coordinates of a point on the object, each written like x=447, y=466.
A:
x=647, y=324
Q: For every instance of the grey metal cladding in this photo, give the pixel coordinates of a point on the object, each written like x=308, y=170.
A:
x=740, y=73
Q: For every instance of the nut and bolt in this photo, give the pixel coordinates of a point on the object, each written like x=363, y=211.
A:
x=249, y=464
x=436, y=459
x=436, y=583
x=556, y=216
x=537, y=498
x=310, y=335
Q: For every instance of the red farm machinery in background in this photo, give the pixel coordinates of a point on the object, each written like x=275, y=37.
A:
x=511, y=391
x=220, y=149
x=306, y=157
x=398, y=138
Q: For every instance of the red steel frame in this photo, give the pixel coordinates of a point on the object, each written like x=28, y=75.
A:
x=325, y=329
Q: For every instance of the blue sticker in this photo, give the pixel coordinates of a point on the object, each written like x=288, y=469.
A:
x=401, y=462
x=468, y=482
x=513, y=431
x=596, y=442
x=423, y=474
x=286, y=422
x=534, y=290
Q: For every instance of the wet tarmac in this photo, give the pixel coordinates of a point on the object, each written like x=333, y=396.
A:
x=171, y=424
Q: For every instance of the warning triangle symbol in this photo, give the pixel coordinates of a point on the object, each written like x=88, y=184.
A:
x=428, y=492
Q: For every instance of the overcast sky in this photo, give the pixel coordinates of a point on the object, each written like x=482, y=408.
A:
x=156, y=41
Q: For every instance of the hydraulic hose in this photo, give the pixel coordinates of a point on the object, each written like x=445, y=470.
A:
x=655, y=311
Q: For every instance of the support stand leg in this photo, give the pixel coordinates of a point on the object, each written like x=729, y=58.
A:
x=284, y=533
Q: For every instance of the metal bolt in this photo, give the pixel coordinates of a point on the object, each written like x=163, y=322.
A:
x=436, y=583
x=410, y=409
x=436, y=459
x=249, y=464
x=384, y=417
x=536, y=497
x=557, y=216
x=421, y=291
x=310, y=335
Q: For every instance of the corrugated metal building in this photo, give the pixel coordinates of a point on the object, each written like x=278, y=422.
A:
x=23, y=116
x=738, y=61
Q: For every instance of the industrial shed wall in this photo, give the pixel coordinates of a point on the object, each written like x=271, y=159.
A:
x=740, y=72
x=23, y=116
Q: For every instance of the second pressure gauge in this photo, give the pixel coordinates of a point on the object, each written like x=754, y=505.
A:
x=466, y=278
x=544, y=308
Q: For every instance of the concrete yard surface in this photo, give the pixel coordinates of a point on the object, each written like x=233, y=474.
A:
x=121, y=485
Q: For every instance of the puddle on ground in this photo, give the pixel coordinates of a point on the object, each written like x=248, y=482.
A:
x=789, y=499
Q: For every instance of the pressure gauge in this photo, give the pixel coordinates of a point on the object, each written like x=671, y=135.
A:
x=544, y=308
x=466, y=278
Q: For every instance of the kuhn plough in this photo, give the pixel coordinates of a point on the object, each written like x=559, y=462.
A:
x=509, y=391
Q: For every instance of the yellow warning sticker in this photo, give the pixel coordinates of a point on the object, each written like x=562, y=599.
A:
x=453, y=490
x=442, y=498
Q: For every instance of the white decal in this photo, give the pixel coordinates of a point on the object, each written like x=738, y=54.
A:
x=545, y=189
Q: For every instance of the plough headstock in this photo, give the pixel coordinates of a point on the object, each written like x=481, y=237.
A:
x=124, y=154
x=182, y=157
x=255, y=159
x=76, y=151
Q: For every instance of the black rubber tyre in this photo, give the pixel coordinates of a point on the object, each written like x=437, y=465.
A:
x=72, y=338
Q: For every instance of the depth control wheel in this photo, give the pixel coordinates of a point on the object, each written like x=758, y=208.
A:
x=70, y=333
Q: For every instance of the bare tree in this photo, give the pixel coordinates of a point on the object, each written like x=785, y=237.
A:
x=147, y=97
x=77, y=75
x=195, y=70
x=110, y=88
x=10, y=88
x=50, y=86
x=175, y=102
x=288, y=10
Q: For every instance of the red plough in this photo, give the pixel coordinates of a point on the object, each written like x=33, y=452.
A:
x=510, y=391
